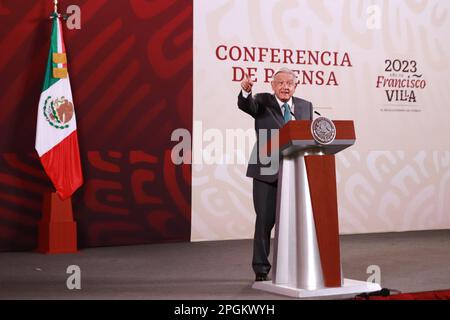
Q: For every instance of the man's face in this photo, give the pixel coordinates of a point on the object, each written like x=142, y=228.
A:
x=284, y=86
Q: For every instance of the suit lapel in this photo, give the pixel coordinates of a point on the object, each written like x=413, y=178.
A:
x=275, y=107
x=297, y=109
x=276, y=111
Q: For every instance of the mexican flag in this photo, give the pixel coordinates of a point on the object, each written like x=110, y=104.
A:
x=56, y=129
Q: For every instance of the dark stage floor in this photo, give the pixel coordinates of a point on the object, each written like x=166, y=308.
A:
x=409, y=262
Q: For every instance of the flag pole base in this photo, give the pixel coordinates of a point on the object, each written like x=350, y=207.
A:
x=57, y=229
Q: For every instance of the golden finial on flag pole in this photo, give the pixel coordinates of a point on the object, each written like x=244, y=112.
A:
x=55, y=13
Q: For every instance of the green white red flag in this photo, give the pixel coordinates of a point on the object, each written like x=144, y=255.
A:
x=56, y=129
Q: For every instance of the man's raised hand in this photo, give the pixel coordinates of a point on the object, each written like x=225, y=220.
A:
x=247, y=84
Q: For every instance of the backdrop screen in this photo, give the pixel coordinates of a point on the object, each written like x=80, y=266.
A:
x=383, y=64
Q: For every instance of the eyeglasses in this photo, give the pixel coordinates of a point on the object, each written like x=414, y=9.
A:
x=290, y=84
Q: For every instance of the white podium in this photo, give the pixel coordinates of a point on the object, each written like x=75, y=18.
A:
x=306, y=261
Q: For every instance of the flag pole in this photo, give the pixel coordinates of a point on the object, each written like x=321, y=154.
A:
x=55, y=13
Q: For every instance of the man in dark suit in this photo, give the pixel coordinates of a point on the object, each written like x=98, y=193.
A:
x=270, y=111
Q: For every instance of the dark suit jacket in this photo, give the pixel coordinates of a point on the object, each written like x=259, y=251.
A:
x=266, y=111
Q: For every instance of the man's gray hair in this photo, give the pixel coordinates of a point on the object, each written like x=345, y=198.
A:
x=285, y=70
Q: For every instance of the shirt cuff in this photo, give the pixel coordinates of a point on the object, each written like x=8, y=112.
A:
x=245, y=94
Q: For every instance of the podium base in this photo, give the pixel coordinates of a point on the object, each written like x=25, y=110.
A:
x=350, y=287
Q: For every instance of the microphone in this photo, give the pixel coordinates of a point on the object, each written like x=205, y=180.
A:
x=292, y=113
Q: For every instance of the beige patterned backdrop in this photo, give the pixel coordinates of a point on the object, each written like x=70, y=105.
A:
x=397, y=176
